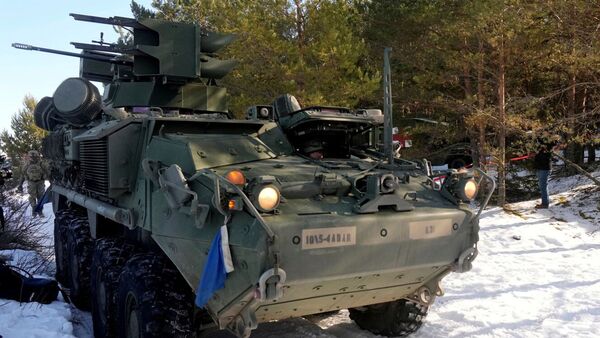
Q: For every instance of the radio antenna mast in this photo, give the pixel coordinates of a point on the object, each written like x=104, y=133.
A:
x=388, y=146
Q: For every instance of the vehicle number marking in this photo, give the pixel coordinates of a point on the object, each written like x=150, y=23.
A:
x=430, y=229
x=328, y=237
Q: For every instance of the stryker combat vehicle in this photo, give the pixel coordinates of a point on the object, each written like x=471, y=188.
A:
x=173, y=218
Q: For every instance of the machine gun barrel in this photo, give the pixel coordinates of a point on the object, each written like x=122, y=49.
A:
x=77, y=55
x=101, y=48
x=115, y=20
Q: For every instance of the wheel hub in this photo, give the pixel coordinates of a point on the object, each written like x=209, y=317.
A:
x=74, y=269
x=101, y=297
x=133, y=329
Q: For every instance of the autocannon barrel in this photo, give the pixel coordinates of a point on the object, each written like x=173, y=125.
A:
x=95, y=57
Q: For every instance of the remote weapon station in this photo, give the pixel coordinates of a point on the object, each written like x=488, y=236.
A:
x=173, y=218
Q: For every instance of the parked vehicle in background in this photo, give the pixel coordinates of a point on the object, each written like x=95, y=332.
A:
x=455, y=155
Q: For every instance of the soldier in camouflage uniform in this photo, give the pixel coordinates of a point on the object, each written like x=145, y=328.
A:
x=34, y=172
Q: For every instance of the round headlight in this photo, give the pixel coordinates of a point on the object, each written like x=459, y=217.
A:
x=388, y=184
x=264, y=112
x=469, y=190
x=267, y=198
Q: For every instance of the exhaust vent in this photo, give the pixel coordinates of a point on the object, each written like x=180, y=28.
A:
x=93, y=155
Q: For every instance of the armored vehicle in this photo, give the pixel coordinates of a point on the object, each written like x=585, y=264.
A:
x=173, y=218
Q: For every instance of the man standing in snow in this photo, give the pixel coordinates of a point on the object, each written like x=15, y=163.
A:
x=35, y=173
x=543, y=165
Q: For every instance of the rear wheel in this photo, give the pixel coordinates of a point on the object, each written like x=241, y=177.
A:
x=153, y=300
x=398, y=318
x=79, y=258
x=110, y=255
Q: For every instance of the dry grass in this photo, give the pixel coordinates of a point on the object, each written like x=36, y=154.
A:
x=23, y=232
x=517, y=213
x=563, y=201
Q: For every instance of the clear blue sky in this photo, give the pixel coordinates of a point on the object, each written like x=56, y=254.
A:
x=46, y=24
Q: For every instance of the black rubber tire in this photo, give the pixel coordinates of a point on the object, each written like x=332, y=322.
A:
x=109, y=258
x=81, y=93
x=79, y=257
x=41, y=109
x=394, y=319
x=153, y=300
x=62, y=219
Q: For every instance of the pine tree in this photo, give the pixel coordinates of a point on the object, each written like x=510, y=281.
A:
x=311, y=49
x=24, y=135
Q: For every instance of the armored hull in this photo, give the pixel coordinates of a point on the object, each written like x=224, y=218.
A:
x=174, y=218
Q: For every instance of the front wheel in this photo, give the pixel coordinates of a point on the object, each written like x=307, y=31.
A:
x=79, y=246
x=399, y=318
x=62, y=219
x=153, y=300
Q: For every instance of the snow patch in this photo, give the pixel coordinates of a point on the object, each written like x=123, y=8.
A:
x=32, y=320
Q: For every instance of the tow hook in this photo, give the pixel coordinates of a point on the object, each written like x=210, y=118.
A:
x=465, y=259
x=426, y=294
x=270, y=285
x=244, y=323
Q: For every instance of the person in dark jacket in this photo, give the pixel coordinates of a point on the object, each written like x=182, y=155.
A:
x=543, y=166
x=2, y=220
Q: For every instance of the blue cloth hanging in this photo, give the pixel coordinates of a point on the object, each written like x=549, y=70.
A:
x=45, y=199
x=218, y=264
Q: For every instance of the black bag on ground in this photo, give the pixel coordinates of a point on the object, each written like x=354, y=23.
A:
x=14, y=285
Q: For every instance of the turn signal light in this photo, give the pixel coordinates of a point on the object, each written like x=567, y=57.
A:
x=231, y=205
x=235, y=203
x=236, y=177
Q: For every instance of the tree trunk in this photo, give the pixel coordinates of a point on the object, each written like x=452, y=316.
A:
x=481, y=106
x=467, y=75
x=468, y=87
x=590, y=146
x=591, y=153
x=300, y=22
x=502, y=126
x=579, y=169
x=574, y=151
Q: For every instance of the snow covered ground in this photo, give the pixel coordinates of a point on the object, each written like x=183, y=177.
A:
x=537, y=275
x=33, y=319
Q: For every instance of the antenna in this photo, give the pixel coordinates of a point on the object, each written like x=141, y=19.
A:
x=388, y=146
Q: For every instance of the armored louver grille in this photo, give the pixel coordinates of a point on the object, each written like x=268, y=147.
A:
x=94, y=165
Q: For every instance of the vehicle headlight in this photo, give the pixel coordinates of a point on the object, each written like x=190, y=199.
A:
x=388, y=184
x=267, y=198
x=264, y=112
x=467, y=190
x=236, y=177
